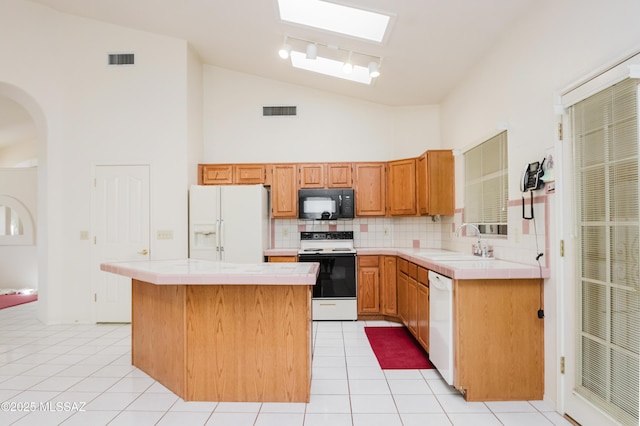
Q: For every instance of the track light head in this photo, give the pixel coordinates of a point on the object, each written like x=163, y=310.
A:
x=285, y=51
x=347, y=68
x=374, y=71
x=312, y=51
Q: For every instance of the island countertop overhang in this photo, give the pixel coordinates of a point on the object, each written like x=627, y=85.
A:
x=205, y=272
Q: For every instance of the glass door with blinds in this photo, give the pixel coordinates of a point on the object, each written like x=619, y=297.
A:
x=605, y=339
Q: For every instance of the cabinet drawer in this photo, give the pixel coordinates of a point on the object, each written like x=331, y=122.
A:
x=366, y=261
x=403, y=266
x=412, y=270
x=423, y=276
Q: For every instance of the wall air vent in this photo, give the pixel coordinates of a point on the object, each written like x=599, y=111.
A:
x=121, y=59
x=272, y=111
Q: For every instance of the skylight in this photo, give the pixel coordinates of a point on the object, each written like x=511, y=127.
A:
x=336, y=18
x=330, y=67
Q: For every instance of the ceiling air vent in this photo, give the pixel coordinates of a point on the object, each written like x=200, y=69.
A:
x=121, y=59
x=271, y=111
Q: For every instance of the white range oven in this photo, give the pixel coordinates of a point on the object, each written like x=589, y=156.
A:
x=334, y=295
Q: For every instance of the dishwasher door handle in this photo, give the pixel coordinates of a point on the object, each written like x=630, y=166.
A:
x=440, y=283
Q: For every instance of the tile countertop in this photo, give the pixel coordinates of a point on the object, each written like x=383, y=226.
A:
x=194, y=271
x=457, y=269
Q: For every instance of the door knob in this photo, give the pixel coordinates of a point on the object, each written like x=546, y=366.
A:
x=143, y=252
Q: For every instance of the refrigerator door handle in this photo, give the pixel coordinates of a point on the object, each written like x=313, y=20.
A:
x=217, y=236
x=222, y=235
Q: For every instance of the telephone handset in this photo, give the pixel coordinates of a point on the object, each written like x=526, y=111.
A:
x=531, y=177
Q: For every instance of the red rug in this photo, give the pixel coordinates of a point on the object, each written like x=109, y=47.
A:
x=396, y=349
x=8, y=300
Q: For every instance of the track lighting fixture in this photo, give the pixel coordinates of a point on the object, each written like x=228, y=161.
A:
x=374, y=71
x=285, y=50
x=306, y=54
x=348, y=66
x=312, y=51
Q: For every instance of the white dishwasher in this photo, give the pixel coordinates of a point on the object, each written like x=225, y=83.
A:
x=441, y=324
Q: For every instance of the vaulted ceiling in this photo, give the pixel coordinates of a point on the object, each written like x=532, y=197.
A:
x=430, y=47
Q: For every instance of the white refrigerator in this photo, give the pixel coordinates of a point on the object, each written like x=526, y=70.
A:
x=229, y=223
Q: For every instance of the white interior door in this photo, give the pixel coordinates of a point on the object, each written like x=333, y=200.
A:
x=121, y=234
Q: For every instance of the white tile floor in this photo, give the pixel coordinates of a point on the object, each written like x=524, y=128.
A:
x=82, y=375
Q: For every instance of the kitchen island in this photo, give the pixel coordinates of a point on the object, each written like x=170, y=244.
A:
x=215, y=331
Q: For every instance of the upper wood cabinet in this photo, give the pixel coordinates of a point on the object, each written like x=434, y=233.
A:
x=339, y=175
x=215, y=174
x=436, y=183
x=228, y=174
x=325, y=175
x=284, y=191
x=312, y=175
x=369, y=186
x=249, y=174
x=401, y=187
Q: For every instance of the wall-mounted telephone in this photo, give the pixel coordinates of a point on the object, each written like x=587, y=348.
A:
x=531, y=177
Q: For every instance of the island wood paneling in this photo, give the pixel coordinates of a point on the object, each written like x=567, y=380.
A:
x=225, y=342
x=158, y=338
x=249, y=343
x=499, y=339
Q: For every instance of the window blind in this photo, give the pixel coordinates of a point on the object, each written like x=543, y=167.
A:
x=486, y=189
x=605, y=129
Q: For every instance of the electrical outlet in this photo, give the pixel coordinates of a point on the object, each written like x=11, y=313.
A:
x=285, y=232
x=386, y=232
x=164, y=235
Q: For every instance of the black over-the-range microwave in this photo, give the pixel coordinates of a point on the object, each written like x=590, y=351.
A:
x=325, y=204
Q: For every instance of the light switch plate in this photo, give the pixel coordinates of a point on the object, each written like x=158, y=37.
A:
x=164, y=235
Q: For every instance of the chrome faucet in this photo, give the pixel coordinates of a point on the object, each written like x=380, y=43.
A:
x=469, y=225
x=479, y=248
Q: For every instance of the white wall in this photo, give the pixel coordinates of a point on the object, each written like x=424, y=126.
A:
x=327, y=128
x=518, y=83
x=19, y=263
x=18, y=153
x=93, y=114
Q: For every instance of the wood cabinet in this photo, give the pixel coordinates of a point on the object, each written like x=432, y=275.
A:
x=284, y=191
x=412, y=298
x=215, y=174
x=312, y=175
x=368, y=285
x=423, y=308
x=369, y=186
x=403, y=281
x=249, y=174
x=339, y=175
x=388, y=288
x=229, y=174
x=283, y=258
x=401, y=187
x=436, y=183
x=498, y=338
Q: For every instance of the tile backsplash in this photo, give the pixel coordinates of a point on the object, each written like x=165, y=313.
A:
x=525, y=239
x=419, y=232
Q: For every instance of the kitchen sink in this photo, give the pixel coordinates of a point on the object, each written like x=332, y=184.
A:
x=449, y=257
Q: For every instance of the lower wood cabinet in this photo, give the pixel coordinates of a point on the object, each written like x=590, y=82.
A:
x=499, y=339
x=423, y=316
x=403, y=291
x=368, y=285
x=283, y=258
x=388, y=292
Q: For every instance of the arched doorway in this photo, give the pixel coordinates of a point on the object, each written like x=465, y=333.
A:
x=20, y=102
